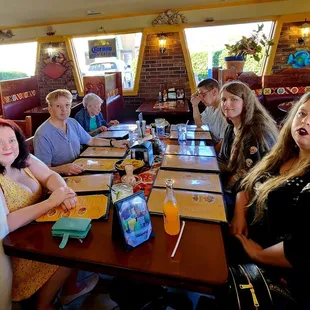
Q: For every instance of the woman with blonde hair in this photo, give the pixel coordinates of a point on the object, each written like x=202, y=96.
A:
x=250, y=134
x=272, y=208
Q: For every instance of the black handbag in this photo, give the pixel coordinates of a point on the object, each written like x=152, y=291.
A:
x=248, y=288
x=251, y=287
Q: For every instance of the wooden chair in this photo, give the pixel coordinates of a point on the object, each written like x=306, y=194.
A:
x=29, y=143
x=25, y=126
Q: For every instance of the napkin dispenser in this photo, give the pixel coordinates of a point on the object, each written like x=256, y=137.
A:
x=143, y=151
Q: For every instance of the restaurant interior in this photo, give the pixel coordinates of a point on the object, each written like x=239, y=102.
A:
x=144, y=60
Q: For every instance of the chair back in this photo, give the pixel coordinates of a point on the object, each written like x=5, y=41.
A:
x=29, y=143
x=25, y=126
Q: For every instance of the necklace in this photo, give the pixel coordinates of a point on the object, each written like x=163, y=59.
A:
x=285, y=171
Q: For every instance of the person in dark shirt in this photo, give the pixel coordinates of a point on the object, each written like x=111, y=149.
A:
x=91, y=118
x=271, y=214
x=250, y=134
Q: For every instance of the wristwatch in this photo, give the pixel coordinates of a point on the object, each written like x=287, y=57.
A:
x=111, y=142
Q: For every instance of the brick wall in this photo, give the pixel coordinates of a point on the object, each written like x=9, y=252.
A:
x=288, y=45
x=60, y=70
x=168, y=68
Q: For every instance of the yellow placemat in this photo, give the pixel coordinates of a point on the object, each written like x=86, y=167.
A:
x=123, y=127
x=92, y=207
x=192, y=128
x=195, y=205
x=97, y=151
x=192, y=150
x=94, y=164
x=192, y=135
x=208, y=182
x=113, y=134
x=190, y=163
x=89, y=183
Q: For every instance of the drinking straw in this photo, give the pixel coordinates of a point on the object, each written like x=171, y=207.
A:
x=179, y=239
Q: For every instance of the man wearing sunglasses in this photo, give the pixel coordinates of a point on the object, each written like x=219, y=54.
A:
x=208, y=94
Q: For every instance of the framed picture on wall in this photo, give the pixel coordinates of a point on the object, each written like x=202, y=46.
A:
x=180, y=93
x=172, y=95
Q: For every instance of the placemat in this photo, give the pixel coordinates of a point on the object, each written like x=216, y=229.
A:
x=91, y=206
x=113, y=134
x=109, y=152
x=90, y=183
x=123, y=127
x=192, y=135
x=192, y=150
x=207, y=182
x=92, y=164
x=190, y=163
x=194, y=205
x=192, y=127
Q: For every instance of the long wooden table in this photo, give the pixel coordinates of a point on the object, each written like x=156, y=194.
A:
x=199, y=264
x=200, y=261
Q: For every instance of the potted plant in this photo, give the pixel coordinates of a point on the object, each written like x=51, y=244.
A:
x=251, y=46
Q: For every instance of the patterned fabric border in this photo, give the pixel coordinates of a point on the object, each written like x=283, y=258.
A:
x=295, y=90
x=258, y=92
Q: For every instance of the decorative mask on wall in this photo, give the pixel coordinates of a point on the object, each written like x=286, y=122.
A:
x=169, y=17
x=6, y=34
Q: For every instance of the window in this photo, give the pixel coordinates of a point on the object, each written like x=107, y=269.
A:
x=207, y=47
x=17, y=60
x=127, y=53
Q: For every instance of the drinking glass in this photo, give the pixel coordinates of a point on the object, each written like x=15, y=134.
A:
x=182, y=133
x=160, y=127
x=120, y=191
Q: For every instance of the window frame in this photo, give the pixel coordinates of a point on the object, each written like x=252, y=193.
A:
x=126, y=92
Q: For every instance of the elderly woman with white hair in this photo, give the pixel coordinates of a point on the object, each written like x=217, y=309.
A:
x=90, y=117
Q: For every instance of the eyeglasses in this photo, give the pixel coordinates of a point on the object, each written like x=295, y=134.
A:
x=204, y=93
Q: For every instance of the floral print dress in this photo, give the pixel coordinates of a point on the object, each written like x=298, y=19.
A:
x=28, y=276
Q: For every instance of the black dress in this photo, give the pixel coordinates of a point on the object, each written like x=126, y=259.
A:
x=286, y=219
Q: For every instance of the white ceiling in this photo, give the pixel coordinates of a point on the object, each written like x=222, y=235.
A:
x=29, y=12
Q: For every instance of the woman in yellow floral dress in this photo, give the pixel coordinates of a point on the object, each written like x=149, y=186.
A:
x=21, y=179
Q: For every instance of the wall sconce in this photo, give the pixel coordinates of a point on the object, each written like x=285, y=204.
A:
x=162, y=43
x=305, y=30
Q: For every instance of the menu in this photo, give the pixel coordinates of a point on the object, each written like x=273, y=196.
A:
x=92, y=164
x=193, y=150
x=91, y=207
x=192, y=135
x=194, y=205
x=190, y=163
x=207, y=182
x=192, y=127
x=89, y=183
x=118, y=134
x=97, y=151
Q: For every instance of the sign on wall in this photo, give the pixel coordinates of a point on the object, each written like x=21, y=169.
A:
x=102, y=48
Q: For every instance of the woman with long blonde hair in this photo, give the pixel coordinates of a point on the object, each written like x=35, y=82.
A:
x=250, y=134
x=272, y=209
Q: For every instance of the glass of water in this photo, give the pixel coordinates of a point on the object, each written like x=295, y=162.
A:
x=182, y=133
x=160, y=127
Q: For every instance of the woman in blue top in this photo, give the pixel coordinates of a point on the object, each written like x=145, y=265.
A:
x=91, y=118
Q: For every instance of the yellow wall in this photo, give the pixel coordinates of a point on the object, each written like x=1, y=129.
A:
x=195, y=17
